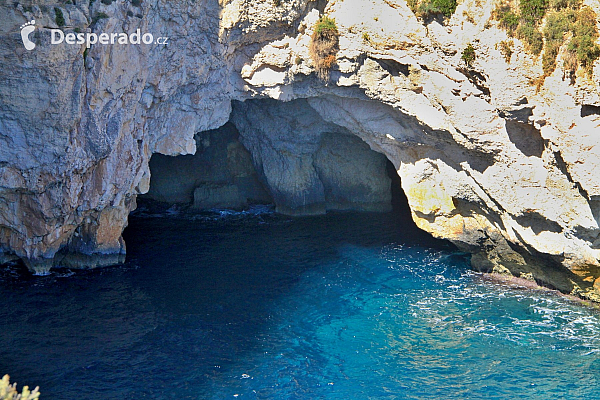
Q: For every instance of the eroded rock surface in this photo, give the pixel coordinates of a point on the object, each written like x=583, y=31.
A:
x=495, y=158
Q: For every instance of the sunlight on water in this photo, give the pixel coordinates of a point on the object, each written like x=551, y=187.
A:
x=258, y=306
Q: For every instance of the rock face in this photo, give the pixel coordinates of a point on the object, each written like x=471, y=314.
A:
x=494, y=157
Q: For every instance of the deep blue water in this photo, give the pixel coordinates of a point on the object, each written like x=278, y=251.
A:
x=259, y=306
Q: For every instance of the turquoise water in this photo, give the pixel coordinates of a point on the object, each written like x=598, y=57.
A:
x=259, y=306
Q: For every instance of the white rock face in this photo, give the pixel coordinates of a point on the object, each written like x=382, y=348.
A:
x=504, y=168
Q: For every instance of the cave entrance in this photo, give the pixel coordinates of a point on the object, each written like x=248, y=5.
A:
x=282, y=154
x=219, y=175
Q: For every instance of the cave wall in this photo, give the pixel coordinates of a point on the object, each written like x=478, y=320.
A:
x=309, y=165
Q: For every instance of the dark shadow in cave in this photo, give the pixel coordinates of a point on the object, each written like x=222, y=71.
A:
x=219, y=175
x=588, y=109
x=400, y=205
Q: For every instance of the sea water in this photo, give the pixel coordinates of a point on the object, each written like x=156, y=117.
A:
x=259, y=306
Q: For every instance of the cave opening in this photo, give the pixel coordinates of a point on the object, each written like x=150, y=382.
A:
x=331, y=171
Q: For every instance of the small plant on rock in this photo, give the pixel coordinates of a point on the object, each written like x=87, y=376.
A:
x=468, y=55
x=506, y=49
x=98, y=17
x=324, y=46
x=430, y=8
x=59, y=17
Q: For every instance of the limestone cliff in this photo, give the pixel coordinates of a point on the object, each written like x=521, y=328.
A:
x=493, y=156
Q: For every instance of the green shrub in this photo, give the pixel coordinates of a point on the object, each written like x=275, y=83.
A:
x=429, y=8
x=533, y=39
x=446, y=7
x=324, y=46
x=587, y=51
x=326, y=26
x=567, y=17
x=9, y=392
x=59, y=17
x=532, y=11
x=585, y=36
x=582, y=47
x=468, y=55
x=98, y=17
x=557, y=24
x=507, y=18
x=298, y=60
x=426, y=9
x=366, y=37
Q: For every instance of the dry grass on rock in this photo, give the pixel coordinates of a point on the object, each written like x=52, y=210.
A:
x=324, y=46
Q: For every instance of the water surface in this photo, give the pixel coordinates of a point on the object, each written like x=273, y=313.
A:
x=259, y=306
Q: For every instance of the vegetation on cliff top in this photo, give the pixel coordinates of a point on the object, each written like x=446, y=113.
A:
x=566, y=23
x=430, y=8
x=324, y=46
